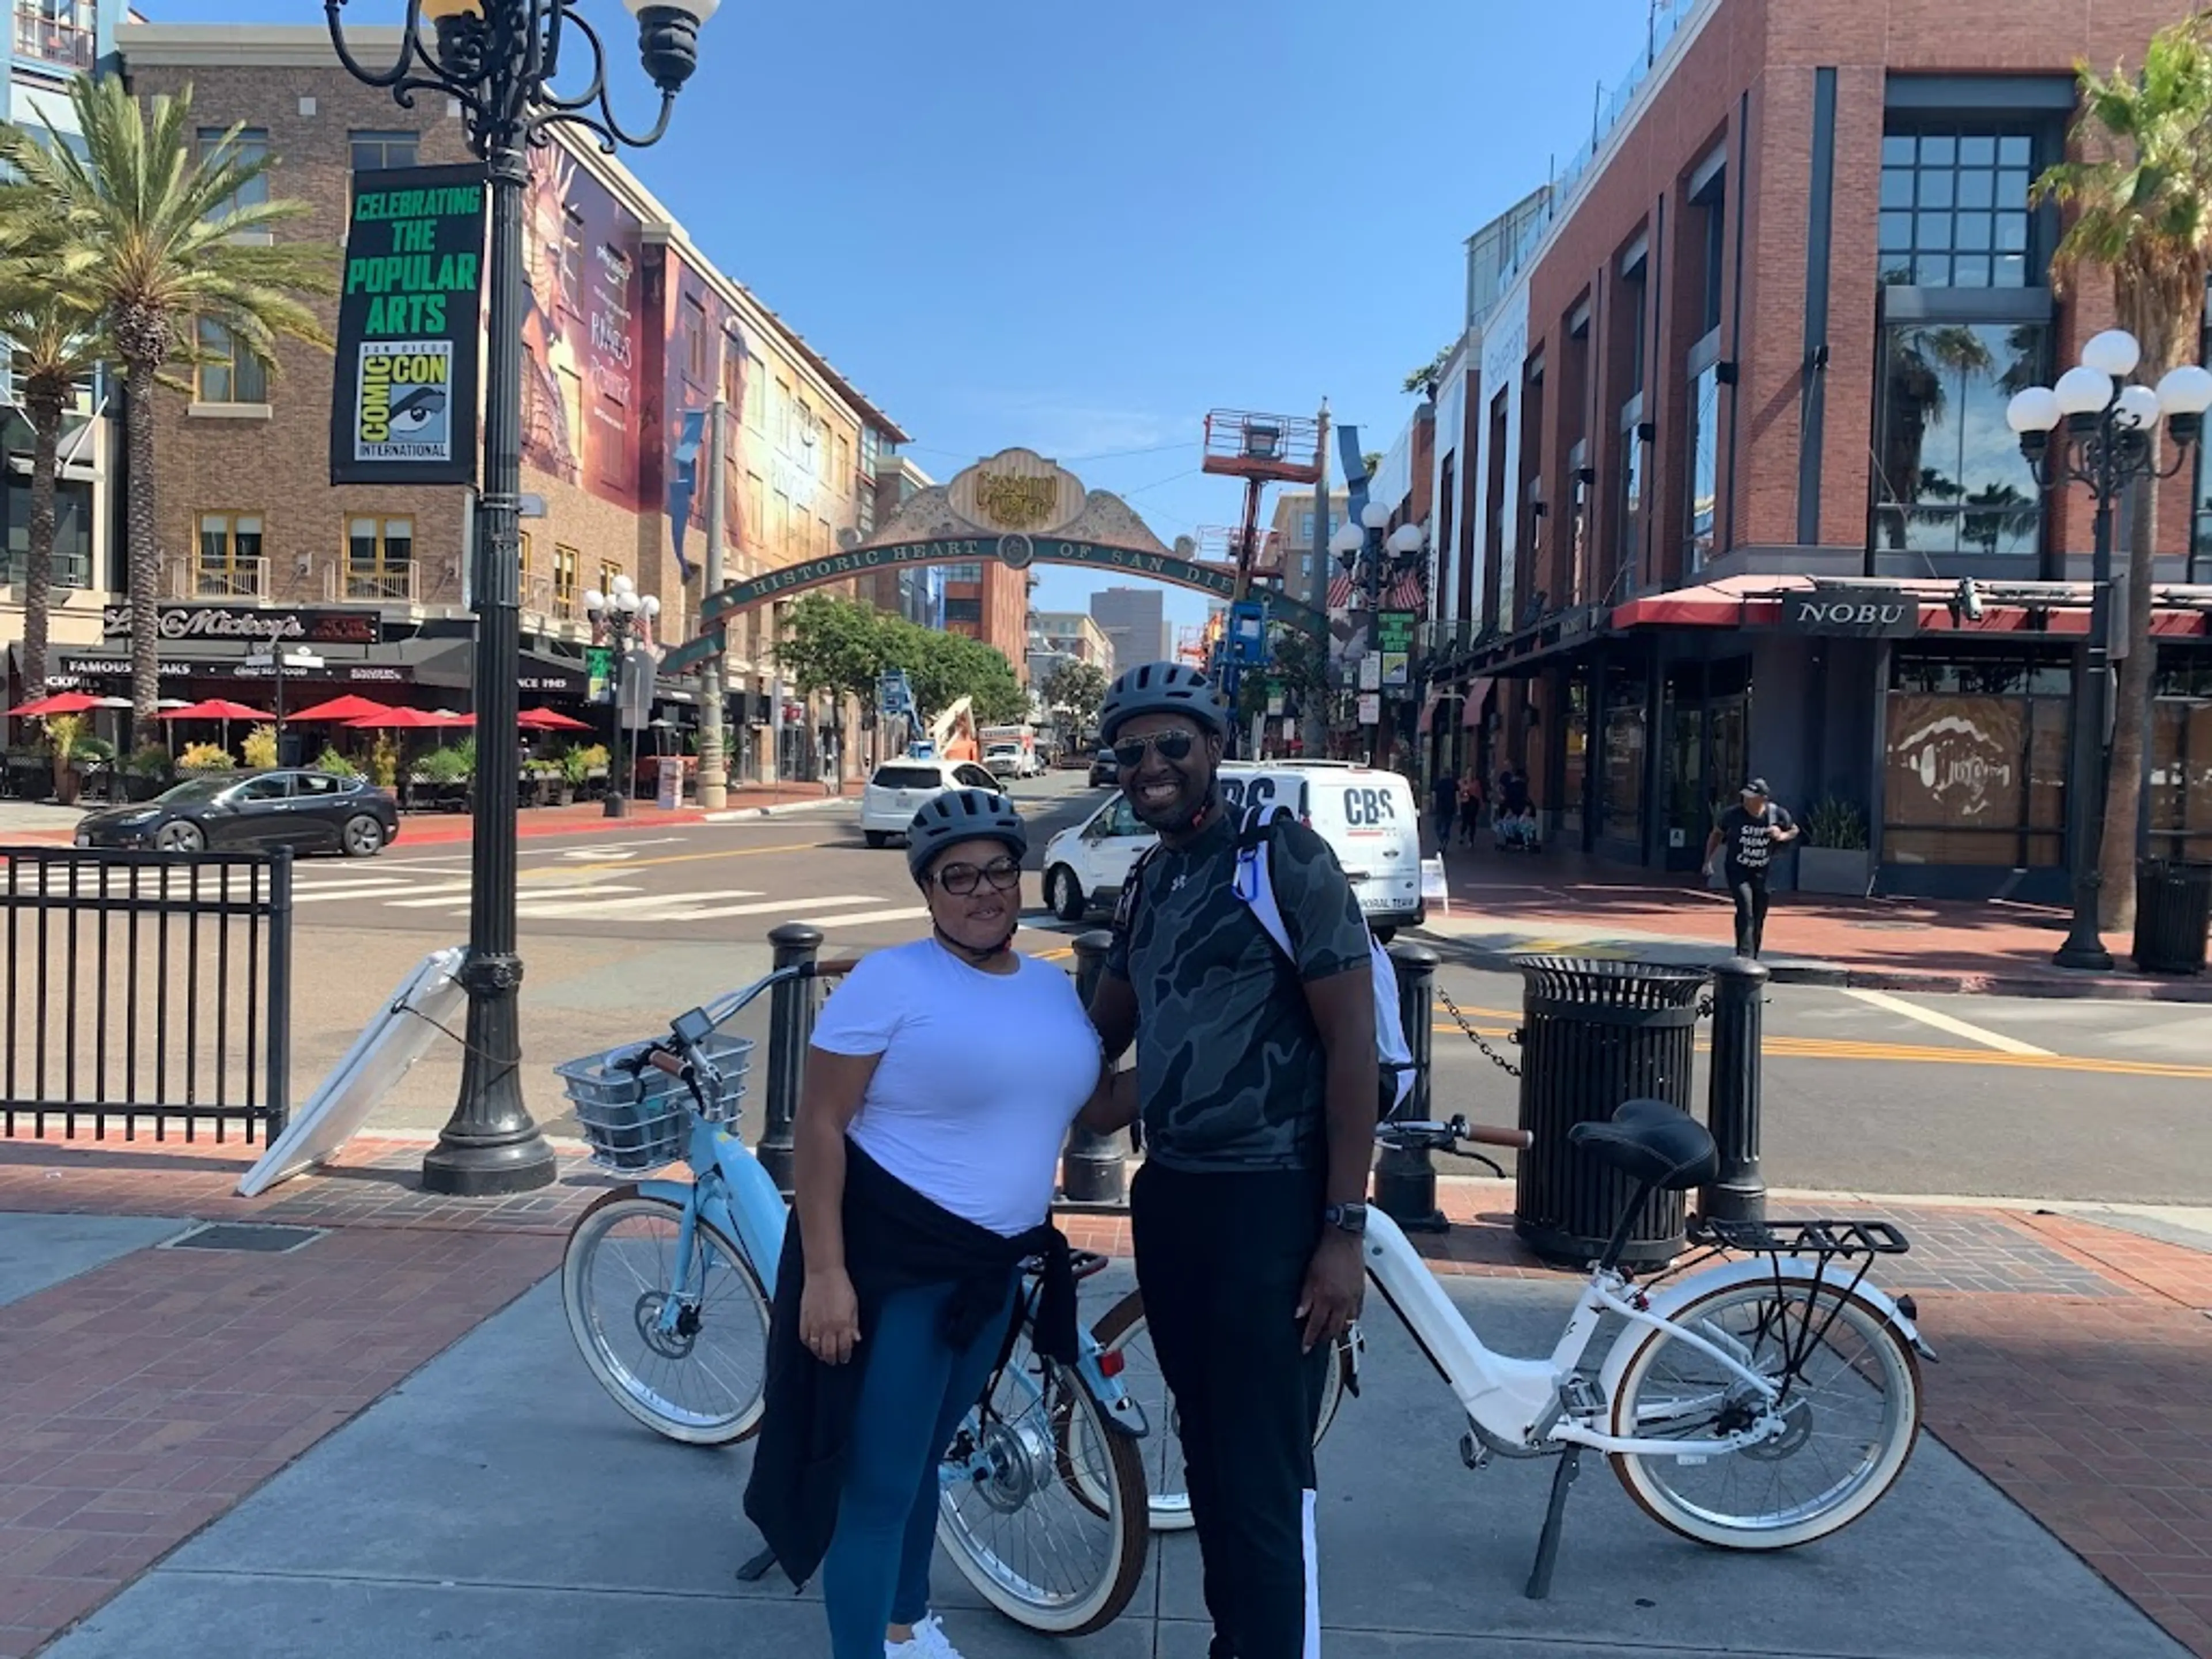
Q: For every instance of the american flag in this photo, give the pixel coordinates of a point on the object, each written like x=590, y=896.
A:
x=1406, y=593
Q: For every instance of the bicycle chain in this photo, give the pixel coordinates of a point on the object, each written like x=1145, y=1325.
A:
x=1475, y=1037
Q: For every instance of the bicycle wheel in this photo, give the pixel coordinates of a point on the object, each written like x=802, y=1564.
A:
x=702, y=1383
x=1851, y=1404
x=1122, y=1331
x=1043, y=1504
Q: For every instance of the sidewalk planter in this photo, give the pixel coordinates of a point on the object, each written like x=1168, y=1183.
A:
x=1838, y=869
x=2173, y=914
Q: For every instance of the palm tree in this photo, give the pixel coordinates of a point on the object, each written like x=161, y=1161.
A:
x=159, y=240
x=52, y=337
x=2141, y=197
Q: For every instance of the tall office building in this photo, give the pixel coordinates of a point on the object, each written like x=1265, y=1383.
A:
x=1134, y=621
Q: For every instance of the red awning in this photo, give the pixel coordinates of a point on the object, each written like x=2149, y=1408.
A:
x=1478, y=694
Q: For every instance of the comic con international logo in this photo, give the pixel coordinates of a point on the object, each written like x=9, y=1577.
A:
x=404, y=407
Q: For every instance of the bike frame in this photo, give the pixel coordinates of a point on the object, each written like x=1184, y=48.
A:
x=1522, y=1402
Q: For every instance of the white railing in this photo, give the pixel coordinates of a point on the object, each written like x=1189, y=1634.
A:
x=373, y=584
x=236, y=579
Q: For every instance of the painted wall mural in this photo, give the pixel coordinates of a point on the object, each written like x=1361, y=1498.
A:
x=706, y=352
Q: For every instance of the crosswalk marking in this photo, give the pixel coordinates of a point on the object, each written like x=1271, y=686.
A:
x=444, y=899
x=830, y=904
x=323, y=897
x=863, y=918
x=588, y=904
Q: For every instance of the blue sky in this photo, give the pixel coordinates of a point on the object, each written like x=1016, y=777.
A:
x=1078, y=229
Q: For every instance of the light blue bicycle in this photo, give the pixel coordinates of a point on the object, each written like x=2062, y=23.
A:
x=668, y=1283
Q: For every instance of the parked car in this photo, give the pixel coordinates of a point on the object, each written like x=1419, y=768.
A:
x=1010, y=761
x=1367, y=817
x=1105, y=769
x=901, y=788
x=307, y=811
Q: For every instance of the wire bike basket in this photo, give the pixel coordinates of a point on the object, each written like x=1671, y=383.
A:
x=636, y=1119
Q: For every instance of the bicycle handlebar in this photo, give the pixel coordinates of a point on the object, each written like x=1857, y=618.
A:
x=1485, y=1134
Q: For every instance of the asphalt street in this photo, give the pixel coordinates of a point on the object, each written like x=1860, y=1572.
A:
x=1865, y=1091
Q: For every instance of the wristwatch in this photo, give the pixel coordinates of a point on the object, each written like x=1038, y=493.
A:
x=1347, y=1217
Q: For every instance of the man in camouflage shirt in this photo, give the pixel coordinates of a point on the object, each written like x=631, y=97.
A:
x=1257, y=1082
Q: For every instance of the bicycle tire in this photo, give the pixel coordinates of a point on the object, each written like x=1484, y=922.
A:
x=1168, y=1502
x=587, y=1325
x=1002, y=1583
x=1653, y=1482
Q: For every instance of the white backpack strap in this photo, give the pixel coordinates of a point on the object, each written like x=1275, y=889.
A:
x=1255, y=882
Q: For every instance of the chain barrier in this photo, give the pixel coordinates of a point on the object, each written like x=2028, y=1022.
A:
x=1475, y=1037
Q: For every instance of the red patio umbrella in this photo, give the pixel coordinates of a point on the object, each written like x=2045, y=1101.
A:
x=61, y=702
x=548, y=720
x=216, y=708
x=347, y=707
x=410, y=719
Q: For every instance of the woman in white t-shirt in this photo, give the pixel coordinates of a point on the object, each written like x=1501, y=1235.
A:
x=941, y=1082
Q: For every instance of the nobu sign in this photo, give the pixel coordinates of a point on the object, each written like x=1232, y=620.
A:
x=405, y=396
x=1866, y=613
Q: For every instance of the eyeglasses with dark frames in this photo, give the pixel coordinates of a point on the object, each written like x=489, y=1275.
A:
x=961, y=879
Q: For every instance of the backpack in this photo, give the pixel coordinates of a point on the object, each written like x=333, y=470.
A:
x=1255, y=884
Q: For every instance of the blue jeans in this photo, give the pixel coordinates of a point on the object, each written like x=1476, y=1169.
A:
x=913, y=1396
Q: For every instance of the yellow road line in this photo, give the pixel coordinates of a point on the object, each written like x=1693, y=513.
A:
x=1789, y=1048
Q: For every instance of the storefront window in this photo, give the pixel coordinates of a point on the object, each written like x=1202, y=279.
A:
x=1704, y=463
x=2181, y=762
x=1975, y=765
x=1623, y=818
x=1574, y=777
x=1948, y=474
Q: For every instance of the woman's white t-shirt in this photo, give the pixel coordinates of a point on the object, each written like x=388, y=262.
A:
x=980, y=1075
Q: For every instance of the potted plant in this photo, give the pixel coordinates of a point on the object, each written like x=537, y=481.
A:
x=1834, y=856
x=95, y=765
x=67, y=734
x=384, y=761
x=334, y=764
x=260, y=747
x=595, y=763
x=146, y=772
x=574, y=768
x=201, y=758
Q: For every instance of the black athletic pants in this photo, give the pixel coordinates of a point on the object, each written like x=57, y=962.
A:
x=1222, y=1259
x=1749, y=887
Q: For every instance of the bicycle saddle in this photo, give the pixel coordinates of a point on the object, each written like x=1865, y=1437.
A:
x=1652, y=1142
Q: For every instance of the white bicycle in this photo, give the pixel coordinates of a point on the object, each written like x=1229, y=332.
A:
x=1753, y=1404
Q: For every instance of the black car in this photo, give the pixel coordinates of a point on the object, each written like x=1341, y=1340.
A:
x=1105, y=769
x=259, y=811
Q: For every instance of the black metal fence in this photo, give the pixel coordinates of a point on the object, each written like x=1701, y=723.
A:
x=146, y=988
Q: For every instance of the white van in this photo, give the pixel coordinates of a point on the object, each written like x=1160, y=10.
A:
x=1368, y=819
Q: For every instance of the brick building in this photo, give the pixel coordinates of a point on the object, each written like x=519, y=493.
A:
x=1758, y=340
x=629, y=328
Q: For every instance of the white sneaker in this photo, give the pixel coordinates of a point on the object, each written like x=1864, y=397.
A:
x=929, y=1642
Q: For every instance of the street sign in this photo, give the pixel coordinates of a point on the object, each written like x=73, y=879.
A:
x=530, y=506
x=1370, y=671
x=1370, y=708
x=1394, y=637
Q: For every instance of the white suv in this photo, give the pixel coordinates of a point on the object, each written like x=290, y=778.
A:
x=901, y=788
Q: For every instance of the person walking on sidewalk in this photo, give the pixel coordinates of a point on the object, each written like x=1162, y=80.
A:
x=1750, y=832
x=924, y=1170
x=1444, y=795
x=1256, y=1081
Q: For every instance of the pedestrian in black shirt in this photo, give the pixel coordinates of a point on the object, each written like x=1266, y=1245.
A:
x=1750, y=832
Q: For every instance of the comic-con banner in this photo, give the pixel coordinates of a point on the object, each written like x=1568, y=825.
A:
x=404, y=404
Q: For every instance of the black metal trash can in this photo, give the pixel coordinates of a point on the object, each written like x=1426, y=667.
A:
x=1595, y=1033
x=2173, y=915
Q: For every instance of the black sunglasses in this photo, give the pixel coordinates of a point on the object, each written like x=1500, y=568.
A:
x=1172, y=746
x=961, y=879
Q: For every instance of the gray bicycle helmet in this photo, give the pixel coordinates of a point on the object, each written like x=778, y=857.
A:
x=1163, y=688
x=961, y=815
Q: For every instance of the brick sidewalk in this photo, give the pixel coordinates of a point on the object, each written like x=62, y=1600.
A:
x=1502, y=902
x=150, y=1394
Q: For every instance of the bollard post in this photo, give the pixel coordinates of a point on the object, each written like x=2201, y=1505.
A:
x=790, y=1024
x=1732, y=1101
x=1093, y=1169
x=1405, y=1180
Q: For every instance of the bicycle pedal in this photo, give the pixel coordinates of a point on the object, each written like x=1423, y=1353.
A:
x=1582, y=1397
x=1473, y=1452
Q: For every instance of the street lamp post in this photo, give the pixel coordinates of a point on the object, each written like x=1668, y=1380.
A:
x=497, y=60
x=1370, y=554
x=621, y=612
x=2092, y=428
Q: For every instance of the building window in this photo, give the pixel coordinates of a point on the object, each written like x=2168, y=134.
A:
x=755, y=520
x=822, y=540
x=376, y=152
x=230, y=561
x=228, y=373
x=1954, y=210
x=64, y=33
x=380, y=559
x=1949, y=474
x=963, y=573
x=1622, y=758
x=567, y=563
x=1704, y=463
x=840, y=449
x=2181, y=762
x=251, y=144
x=756, y=393
x=779, y=525
x=780, y=413
x=965, y=610
x=608, y=571
x=1975, y=760
x=1628, y=551
x=695, y=341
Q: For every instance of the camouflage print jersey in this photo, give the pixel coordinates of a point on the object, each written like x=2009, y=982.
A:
x=1230, y=1070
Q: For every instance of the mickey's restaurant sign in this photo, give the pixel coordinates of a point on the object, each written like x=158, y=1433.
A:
x=249, y=623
